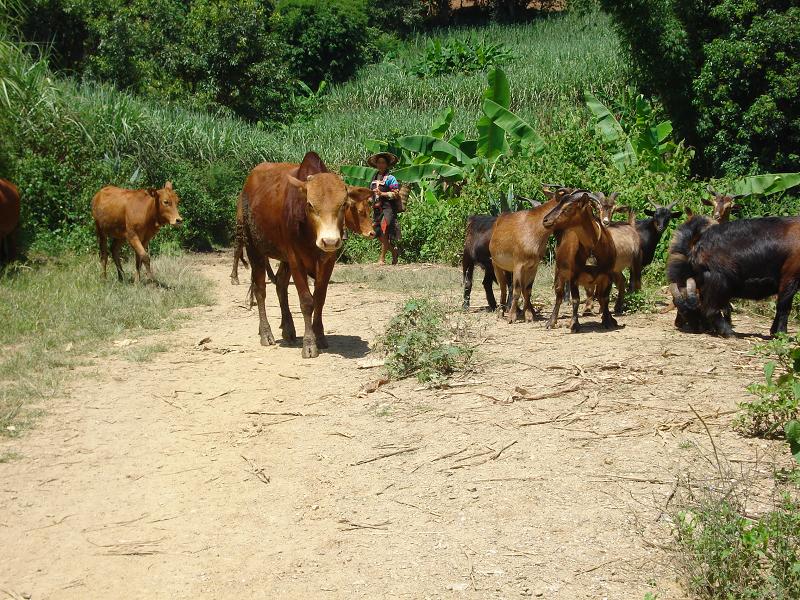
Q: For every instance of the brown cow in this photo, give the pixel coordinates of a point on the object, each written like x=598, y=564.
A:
x=357, y=218
x=135, y=216
x=9, y=220
x=295, y=213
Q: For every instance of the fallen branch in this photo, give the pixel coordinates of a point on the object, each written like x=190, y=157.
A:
x=353, y=526
x=382, y=456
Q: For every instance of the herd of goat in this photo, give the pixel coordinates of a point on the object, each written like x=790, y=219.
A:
x=711, y=261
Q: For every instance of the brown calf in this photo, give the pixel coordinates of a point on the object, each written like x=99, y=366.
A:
x=9, y=220
x=583, y=235
x=295, y=213
x=519, y=240
x=135, y=216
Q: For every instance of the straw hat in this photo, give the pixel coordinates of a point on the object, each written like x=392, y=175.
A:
x=391, y=159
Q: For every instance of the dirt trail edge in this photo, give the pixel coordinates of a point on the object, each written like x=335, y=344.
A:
x=224, y=469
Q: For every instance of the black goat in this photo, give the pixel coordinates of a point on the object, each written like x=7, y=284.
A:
x=751, y=258
x=652, y=228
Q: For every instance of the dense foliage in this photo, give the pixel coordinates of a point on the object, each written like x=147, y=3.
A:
x=727, y=72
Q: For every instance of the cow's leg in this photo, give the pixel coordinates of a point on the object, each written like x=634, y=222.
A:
x=500, y=276
x=619, y=281
x=102, y=242
x=288, y=332
x=323, y=276
x=142, y=256
x=116, y=246
x=783, y=307
x=270, y=273
x=258, y=283
x=604, y=296
x=467, y=270
x=575, y=298
x=310, y=349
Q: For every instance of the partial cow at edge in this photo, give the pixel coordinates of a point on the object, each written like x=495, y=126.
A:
x=9, y=220
x=134, y=216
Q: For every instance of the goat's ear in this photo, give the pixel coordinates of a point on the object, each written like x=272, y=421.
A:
x=649, y=212
x=689, y=213
x=675, y=215
x=707, y=202
x=549, y=192
x=736, y=208
x=294, y=182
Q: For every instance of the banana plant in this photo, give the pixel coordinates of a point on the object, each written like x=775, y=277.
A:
x=449, y=162
x=770, y=183
x=644, y=142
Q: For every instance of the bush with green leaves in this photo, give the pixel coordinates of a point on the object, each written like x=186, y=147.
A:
x=453, y=56
x=777, y=398
x=418, y=342
x=728, y=555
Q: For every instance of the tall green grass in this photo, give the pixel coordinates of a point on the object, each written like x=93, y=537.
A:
x=56, y=312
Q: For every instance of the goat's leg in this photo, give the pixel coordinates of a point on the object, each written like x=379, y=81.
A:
x=588, y=306
x=575, y=299
x=517, y=292
x=467, y=270
x=783, y=308
x=604, y=297
x=619, y=281
x=530, y=277
x=488, y=280
x=500, y=275
x=559, y=288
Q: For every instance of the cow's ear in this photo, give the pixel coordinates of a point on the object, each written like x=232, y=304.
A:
x=358, y=194
x=168, y=185
x=295, y=182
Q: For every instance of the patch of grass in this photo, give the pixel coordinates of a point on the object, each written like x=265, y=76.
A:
x=727, y=554
x=423, y=278
x=6, y=457
x=144, y=353
x=423, y=342
x=55, y=312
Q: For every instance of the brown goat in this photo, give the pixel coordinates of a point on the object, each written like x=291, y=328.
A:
x=519, y=240
x=583, y=235
x=628, y=248
x=724, y=205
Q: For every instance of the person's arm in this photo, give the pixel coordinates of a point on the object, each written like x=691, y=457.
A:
x=393, y=185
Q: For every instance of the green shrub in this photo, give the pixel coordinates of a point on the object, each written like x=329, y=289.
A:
x=322, y=40
x=416, y=343
x=777, y=399
x=455, y=56
x=730, y=556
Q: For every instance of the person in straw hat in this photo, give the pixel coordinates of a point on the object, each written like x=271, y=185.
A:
x=386, y=200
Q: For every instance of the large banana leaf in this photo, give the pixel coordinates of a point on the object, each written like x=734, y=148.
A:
x=498, y=91
x=492, y=141
x=430, y=170
x=513, y=125
x=442, y=123
x=771, y=183
x=357, y=175
x=612, y=132
x=375, y=146
x=428, y=145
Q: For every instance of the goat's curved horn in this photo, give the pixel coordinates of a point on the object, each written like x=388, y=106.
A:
x=672, y=205
x=653, y=204
x=552, y=185
x=613, y=197
x=677, y=295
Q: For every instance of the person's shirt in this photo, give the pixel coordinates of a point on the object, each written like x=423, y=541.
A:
x=388, y=183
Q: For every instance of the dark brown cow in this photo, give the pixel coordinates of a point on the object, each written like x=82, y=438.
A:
x=295, y=213
x=357, y=218
x=135, y=216
x=9, y=220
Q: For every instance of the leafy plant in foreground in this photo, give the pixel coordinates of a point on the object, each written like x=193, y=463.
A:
x=416, y=343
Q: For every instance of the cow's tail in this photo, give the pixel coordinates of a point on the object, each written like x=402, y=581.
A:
x=681, y=272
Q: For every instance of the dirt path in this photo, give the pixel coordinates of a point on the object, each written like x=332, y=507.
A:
x=155, y=480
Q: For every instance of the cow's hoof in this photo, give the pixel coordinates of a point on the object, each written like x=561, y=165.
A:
x=528, y=316
x=575, y=327
x=234, y=281
x=310, y=351
x=322, y=342
x=610, y=322
x=267, y=339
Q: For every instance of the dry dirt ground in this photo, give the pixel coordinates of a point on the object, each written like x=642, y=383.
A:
x=228, y=470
